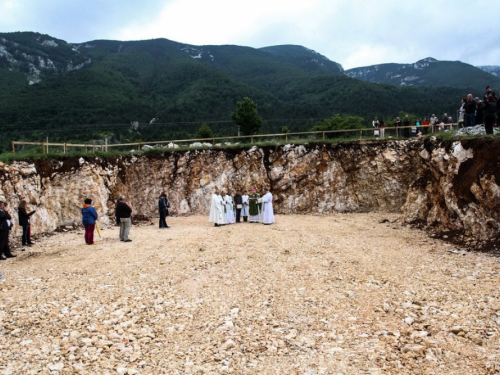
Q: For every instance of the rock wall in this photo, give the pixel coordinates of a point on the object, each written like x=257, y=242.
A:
x=444, y=186
x=457, y=190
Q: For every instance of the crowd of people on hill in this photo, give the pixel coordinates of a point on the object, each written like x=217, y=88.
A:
x=473, y=111
x=253, y=208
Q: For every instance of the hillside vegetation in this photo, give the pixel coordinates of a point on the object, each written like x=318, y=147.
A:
x=113, y=89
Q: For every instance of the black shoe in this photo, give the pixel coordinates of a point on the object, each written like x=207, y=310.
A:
x=167, y=226
x=2, y=257
x=129, y=240
x=10, y=256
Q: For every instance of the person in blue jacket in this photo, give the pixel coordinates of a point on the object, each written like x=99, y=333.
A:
x=89, y=216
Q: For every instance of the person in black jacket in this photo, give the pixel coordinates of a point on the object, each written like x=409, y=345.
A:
x=479, y=111
x=24, y=222
x=490, y=112
x=488, y=92
x=406, y=125
x=123, y=214
x=163, y=206
x=5, y=227
x=470, y=111
x=238, y=204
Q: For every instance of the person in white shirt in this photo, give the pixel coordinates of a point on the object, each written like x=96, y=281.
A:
x=245, y=200
x=267, y=208
x=217, y=214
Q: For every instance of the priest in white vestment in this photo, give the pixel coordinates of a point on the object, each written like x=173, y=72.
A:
x=228, y=201
x=267, y=208
x=217, y=212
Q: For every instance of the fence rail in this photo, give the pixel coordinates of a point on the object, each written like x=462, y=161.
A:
x=368, y=133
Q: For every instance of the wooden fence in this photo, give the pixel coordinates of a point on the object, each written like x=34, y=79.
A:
x=365, y=133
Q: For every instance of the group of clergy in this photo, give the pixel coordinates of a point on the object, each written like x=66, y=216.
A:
x=253, y=208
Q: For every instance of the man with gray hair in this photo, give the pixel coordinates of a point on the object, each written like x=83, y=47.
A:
x=123, y=215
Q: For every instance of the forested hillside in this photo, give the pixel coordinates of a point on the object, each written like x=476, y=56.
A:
x=51, y=88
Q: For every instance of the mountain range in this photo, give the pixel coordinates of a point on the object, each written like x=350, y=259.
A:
x=86, y=90
x=429, y=72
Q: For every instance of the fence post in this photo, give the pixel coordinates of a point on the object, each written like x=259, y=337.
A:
x=106, y=144
x=323, y=135
x=360, y=134
x=251, y=139
x=13, y=148
x=64, y=148
x=286, y=137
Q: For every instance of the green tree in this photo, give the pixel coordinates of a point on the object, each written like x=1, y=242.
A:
x=285, y=129
x=338, y=122
x=205, y=131
x=247, y=117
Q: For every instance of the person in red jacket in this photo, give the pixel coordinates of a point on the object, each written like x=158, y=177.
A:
x=425, y=125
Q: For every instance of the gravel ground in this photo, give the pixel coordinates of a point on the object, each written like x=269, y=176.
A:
x=340, y=294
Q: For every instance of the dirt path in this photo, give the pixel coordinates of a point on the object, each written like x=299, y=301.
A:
x=342, y=294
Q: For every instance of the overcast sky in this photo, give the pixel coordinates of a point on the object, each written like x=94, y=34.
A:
x=353, y=33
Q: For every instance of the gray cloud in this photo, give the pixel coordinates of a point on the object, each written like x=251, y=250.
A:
x=353, y=33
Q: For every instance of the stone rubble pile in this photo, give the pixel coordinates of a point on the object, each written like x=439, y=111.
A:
x=474, y=130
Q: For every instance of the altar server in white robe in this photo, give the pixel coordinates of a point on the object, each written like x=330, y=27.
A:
x=267, y=208
x=217, y=213
x=228, y=201
x=244, y=210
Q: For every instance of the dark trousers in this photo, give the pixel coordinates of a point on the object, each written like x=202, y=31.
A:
x=89, y=234
x=26, y=240
x=488, y=124
x=238, y=215
x=163, y=220
x=470, y=119
x=4, y=242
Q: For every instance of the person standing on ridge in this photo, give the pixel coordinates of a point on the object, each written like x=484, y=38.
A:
x=490, y=112
x=470, y=111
